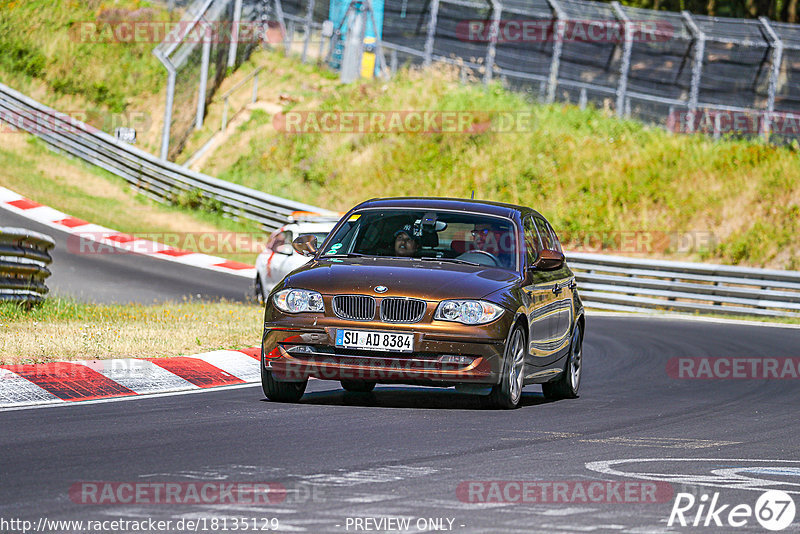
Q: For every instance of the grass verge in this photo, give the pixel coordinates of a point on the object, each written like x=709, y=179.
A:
x=65, y=329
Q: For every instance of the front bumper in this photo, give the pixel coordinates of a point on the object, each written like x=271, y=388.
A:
x=444, y=353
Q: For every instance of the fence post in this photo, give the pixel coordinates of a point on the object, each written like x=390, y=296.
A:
x=625, y=65
x=431, y=32
x=497, y=10
x=165, y=131
x=203, y=87
x=555, y=63
x=697, y=66
x=307, y=29
x=393, y=62
x=282, y=24
x=237, y=20
x=255, y=87
x=224, y=116
x=777, y=58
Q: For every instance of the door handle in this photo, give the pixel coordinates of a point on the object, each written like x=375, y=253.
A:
x=557, y=289
x=573, y=284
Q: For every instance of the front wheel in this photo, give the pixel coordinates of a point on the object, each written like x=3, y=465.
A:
x=258, y=287
x=281, y=391
x=566, y=387
x=508, y=392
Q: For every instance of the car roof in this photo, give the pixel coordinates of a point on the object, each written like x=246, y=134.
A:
x=480, y=206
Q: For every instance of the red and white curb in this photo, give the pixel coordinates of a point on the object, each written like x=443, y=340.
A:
x=107, y=237
x=64, y=382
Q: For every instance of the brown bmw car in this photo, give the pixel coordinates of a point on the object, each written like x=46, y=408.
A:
x=439, y=292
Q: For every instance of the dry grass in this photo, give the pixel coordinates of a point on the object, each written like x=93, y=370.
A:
x=67, y=330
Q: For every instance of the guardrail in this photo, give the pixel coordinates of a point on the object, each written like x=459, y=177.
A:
x=628, y=284
x=24, y=257
x=155, y=177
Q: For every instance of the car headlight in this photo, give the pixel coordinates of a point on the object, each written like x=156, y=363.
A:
x=468, y=311
x=298, y=300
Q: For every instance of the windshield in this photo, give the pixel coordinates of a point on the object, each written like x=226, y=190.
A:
x=405, y=233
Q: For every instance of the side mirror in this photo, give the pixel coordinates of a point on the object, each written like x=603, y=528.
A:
x=285, y=249
x=549, y=260
x=305, y=245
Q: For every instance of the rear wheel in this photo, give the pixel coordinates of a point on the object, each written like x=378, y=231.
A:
x=281, y=391
x=566, y=387
x=358, y=386
x=508, y=392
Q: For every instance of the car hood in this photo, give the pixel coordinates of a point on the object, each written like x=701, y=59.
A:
x=427, y=280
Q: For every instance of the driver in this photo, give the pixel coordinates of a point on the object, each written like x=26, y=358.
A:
x=405, y=243
x=480, y=234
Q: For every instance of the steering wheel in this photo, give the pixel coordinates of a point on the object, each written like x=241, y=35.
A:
x=483, y=255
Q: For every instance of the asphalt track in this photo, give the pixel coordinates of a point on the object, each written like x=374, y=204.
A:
x=402, y=452
x=123, y=278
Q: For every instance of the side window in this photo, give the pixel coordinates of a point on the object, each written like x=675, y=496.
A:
x=281, y=239
x=547, y=238
x=531, y=241
x=554, y=238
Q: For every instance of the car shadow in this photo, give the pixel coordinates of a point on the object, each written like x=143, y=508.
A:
x=412, y=397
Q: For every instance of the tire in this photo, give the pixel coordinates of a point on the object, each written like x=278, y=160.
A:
x=358, y=386
x=281, y=391
x=507, y=394
x=566, y=387
x=259, y=290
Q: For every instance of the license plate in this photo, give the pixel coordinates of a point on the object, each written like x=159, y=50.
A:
x=386, y=341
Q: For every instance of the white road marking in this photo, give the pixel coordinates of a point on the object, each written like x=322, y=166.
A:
x=728, y=478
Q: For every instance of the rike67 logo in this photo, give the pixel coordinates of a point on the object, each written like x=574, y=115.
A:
x=774, y=510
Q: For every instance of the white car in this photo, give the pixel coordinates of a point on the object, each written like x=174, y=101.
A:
x=279, y=258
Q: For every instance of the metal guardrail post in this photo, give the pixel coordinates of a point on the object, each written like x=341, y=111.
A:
x=234, y=45
x=203, y=88
x=777, y=58
x=307, y=29
x=697, y=66
x=434, y=7
x=627, y=48
x=555, y=62
x=497, y=10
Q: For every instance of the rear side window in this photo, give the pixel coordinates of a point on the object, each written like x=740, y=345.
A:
x=554, y=238
x=544, y=233
x=532, y=245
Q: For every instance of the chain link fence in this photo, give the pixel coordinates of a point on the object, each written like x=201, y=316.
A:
x=214, y=36
x=687, y=73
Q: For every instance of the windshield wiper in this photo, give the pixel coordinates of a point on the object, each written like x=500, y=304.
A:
x=451, y=260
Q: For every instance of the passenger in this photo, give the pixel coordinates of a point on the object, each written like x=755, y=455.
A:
x=405, y=243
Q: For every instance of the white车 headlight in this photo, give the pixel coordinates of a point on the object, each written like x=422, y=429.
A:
x=468, y=311
x=298, y=300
